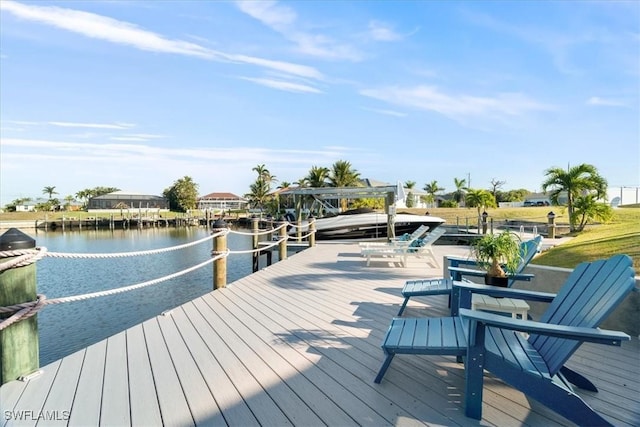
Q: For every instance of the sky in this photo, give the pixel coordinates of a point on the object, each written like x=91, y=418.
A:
x=138, y=94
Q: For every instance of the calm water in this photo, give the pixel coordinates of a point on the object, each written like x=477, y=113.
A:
x=66, y=328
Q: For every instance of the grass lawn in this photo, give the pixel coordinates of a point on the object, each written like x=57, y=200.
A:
x=621, y=235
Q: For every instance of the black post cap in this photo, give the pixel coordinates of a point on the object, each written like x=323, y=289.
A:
x=219, y=223
x=14, y=239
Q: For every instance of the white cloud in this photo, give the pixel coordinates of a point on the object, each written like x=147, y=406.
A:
x=382, y=32
x=92, y=125
x=457, y=106
x=124, y=33
x=142, y=152
x=283, y=20
x=283, y=85
x=269, y=13
x=386, y=112
x=128, y=138
x=287, y=67
x=601, y=102
x=104, y=28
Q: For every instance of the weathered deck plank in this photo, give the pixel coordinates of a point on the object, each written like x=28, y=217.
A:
x=115, y=408
x=88, y=396
x=145, y=408
x=297, y=343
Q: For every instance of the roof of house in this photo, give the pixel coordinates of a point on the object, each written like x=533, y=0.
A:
x=220, y=196
x=123, y=195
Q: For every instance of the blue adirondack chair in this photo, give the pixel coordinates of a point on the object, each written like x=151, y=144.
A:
x=532, y=365
x=443, y=286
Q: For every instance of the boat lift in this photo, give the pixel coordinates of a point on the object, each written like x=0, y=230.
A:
x=322, y=195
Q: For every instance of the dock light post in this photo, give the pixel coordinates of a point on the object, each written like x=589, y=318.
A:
x=484, y=222
x=220, y=246
x=552, y=225
x=19, y=346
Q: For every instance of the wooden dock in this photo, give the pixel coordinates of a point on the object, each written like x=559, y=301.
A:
x=297, y=343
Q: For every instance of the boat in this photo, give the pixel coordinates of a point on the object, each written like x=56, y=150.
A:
x=366, y=224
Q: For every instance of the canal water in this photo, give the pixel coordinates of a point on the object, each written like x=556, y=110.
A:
x=66, y=328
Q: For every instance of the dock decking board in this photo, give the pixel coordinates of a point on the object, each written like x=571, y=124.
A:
x=297, y=343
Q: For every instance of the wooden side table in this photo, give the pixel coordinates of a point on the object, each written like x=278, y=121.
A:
x=516, y=307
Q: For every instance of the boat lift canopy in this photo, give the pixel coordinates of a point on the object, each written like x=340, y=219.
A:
x=389, y=192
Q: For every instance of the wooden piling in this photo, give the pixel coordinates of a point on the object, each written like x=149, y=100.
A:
x=312, y=232
x=282, y=253
x=255, y=222
x=19, y=347
x=220, y=246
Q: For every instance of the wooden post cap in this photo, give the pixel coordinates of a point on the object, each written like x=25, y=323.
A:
x=14, y=239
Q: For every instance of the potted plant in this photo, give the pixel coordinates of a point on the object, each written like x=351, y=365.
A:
x=499, y=254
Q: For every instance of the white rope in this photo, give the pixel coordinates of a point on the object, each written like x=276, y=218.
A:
x=249, y=251
x=304, y=226
x=132, y=287
x=22, y=258
x=25, y=310
x=303, y=236
x=131, y=254
x=265, y=231
x=29, y=256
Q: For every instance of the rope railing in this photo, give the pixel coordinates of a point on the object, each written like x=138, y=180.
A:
x=28, y=309
x=26, y=257
x=258, y=232
x=135, y=253
x=262, y=248
x=302, y=226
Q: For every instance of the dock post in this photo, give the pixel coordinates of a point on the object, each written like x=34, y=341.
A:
x=255, y=222
x=551, y=217
x=269, y=252
x=312, y=232
x=219, y=246
x=19, y=347
x=282, y=252
x=299, y=229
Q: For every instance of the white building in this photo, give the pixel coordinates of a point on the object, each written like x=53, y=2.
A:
x=619, y=196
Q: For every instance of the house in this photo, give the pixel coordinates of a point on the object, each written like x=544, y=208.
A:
x=119, y=200
x=222, y=201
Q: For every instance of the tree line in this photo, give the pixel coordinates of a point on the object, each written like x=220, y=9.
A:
x=581, y=185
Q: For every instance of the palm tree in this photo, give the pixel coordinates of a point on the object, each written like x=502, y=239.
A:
x=459, y=193
x=342, y=174
x=575, y=181
x=287, y=198
x=587, y=208
x=409, y=185
x=481, y=199
x=264, y=174
x=317, y=176
x=69, y=199
x=258, y=194
x=50, y=190
x=432, y=189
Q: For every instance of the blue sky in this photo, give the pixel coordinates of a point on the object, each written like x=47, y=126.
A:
x=138, y=94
